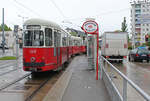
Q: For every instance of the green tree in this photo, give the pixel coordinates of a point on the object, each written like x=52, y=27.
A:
x=6, y=28
x=73, y=33
x=117, y=31
x=148, y=43
x=124, y=25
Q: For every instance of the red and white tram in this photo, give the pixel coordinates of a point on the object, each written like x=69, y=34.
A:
x=47, y=47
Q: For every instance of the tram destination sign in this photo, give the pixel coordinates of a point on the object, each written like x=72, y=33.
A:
x=33, y=27
x=90, y=27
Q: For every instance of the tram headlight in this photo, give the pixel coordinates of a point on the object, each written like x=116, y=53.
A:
x=43, y=59
x=32, y=59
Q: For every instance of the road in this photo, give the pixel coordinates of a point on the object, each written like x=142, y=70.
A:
x=23, y=86
x=139, y=73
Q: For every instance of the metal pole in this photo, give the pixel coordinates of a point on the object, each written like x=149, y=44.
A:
x=3, y=36
x=124, y=90
x=17, y=45
x=16, y=33
x=97, y=55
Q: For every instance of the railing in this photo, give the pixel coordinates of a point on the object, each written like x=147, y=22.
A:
x=111, y=87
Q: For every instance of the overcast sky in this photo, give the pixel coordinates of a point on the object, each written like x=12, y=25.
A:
x=108, y=13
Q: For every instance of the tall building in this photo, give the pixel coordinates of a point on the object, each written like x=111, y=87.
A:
x=140, y=21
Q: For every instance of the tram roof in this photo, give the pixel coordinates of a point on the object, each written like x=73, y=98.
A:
x=41, y=22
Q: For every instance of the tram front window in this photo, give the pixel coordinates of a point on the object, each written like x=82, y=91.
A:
x=33, y=38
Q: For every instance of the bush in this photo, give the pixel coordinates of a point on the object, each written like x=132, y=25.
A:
x=130, y=47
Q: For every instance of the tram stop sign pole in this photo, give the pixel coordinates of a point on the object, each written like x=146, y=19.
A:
x=91, y=27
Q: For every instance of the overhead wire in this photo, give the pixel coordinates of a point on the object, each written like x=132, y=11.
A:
x=101, y=14
x=27, y=8
x=60, y=11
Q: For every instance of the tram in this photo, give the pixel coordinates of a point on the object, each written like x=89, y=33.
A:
x=46, y=46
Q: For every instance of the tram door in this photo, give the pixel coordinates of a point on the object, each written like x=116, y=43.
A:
x=57, y=38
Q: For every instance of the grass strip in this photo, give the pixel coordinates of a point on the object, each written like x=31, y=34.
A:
x=8, y=58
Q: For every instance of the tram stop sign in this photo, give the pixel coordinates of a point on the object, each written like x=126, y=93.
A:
x=90, y=27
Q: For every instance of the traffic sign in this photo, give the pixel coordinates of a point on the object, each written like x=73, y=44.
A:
x=16, y=28
x=90, y=27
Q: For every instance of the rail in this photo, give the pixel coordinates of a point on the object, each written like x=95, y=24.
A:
x=111, y=87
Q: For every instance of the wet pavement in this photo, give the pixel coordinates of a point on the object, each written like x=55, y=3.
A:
x=139, y=73
x=11, y=70
x=81, y=84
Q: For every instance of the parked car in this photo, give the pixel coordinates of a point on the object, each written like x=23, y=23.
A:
x=139, y=54
x=5, y=47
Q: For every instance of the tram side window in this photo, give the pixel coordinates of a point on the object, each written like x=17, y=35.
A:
x=57, y=39
x=64, y=41
x=48, y=37
x=70, y=42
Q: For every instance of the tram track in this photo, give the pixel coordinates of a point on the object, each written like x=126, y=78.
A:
x=15, y=81
x=7, y=65
x=29, y=98
x=1, y=74
x=42, y=78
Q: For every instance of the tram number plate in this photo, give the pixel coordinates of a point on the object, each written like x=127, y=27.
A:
x=143, y=55
x=33, y=69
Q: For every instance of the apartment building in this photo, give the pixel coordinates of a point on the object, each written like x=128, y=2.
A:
x=140, y=21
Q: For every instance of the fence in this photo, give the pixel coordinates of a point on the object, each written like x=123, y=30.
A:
x=111, y=87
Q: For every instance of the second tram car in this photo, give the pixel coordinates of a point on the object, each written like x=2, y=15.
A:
x=47, y=47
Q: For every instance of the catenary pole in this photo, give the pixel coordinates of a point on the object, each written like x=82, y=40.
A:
x=3, y=36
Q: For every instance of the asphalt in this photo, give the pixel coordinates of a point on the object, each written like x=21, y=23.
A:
x=78, y=83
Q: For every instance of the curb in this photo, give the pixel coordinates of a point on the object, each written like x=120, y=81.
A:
x=57, y=91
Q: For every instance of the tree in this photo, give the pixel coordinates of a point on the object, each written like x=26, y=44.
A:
x=73, y=33
x=124, y=25
x=117, y=31
x=6, y=28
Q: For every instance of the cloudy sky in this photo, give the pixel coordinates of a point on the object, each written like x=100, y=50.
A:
x=108, y=13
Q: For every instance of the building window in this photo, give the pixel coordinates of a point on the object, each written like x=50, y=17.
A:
x=143, y=5
x=138, y=11
x=143, y=24
x=137, y=5
x=143, y=10
x=147, y=24
x=137, y=15
x=147, y=29
x=147, y=10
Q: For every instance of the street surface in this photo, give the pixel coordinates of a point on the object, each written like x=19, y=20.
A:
x=139, y=73
x=10, y=70
x=21, y=90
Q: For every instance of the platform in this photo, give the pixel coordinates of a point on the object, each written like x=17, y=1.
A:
x=78, y=83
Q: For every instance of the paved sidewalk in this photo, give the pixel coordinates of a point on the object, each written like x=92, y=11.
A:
x=80, y=84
